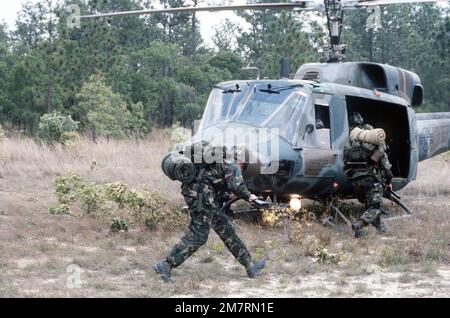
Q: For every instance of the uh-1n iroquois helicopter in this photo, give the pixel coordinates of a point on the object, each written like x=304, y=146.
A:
x=309, y=158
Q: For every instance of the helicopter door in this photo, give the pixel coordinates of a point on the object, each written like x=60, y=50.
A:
x=338, y=122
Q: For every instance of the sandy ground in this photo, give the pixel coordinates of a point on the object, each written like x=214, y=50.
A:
x=65, y=256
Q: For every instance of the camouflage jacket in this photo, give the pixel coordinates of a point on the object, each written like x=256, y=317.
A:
x=212, y=183
x=359, y=160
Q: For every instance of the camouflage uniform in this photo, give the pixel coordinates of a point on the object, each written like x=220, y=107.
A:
x=203, y=197
x=367, y=177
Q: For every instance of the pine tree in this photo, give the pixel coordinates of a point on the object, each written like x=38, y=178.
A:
x=274, y=35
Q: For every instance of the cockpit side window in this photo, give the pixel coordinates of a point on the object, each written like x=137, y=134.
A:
x=322, y=116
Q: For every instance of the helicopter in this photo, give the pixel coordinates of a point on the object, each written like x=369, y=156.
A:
x=302, y=125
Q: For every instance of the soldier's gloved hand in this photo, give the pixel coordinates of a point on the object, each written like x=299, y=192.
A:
x=252, y=197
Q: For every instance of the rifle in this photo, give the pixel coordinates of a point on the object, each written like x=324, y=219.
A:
x=258, y=204
x=394, y=197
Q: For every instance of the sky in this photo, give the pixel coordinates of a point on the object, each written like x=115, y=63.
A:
x=208, y=20
x=9, y=9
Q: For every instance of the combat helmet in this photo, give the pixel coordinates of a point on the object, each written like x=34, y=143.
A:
x=356, y=120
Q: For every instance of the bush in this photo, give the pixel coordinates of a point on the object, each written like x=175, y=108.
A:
x=92, y=199
x=56, y=128
x=70, y=139
x=72, y=188
x=62, y=209
x=118, y=225
x=66, y=188
x=117, y=192
x=104, y=112
x=142, y=206
x=323, y=255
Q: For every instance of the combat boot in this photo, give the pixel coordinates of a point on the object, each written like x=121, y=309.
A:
x=164, y=270
x=381, y=226
x=356, y=227
x=255, y=268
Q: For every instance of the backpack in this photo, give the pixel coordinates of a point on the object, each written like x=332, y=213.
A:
x=356, y=153
x=178, y=167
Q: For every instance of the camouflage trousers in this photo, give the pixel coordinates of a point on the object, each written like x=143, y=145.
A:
x=369, y=191
x=197, y=234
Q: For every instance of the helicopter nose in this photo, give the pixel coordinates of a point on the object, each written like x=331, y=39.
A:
x=259, y=149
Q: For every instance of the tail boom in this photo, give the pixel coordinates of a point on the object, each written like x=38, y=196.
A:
x=433, y=134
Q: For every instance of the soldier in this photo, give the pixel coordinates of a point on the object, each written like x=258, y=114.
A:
x=319, y=124
x=368, y=168
x=203, y=196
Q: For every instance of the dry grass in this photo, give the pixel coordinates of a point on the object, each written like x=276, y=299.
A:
x=432, y=179
x=413, y=259
x=135, y=163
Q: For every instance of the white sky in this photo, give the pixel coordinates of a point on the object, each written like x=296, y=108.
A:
x=10, y=8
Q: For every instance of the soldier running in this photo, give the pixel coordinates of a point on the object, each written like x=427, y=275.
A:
x=369, y=169
x=204, y=196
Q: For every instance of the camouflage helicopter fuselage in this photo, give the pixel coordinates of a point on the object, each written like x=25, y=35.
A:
x=307, y=155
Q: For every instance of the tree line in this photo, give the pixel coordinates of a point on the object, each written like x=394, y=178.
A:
x=122, y=76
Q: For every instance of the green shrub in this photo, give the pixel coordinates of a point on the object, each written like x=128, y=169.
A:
x=104, y=112
x=92, y=198
x=323, y=255
x=145, y=207
x=142, y=206
x=66, y=188
x=118, y=225
x=70, y=139
x=72, y=188
x=55, y=128
x=118, y=193
x=62, y=209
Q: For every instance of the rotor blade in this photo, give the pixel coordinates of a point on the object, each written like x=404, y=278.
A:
x=385, y=2
x=299, y=5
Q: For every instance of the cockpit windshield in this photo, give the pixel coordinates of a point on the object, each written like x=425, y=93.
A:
x=222, y=106
x=277, y=107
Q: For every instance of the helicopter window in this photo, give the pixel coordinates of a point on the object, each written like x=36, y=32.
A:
x=222, y=106
x=287, y=116
x=323, y=115
x=280, y=110
x=262, y=108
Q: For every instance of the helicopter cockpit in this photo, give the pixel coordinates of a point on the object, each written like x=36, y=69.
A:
x=279, y=105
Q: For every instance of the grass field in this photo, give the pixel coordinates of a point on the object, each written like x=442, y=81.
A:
x=65, y=256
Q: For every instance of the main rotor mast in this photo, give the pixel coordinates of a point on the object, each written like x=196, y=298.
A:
x=335, y=16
